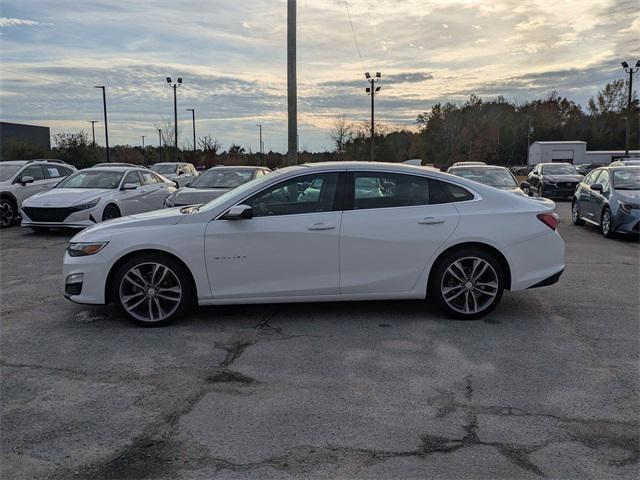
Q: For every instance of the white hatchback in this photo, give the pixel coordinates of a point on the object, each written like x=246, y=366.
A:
x=94, y=195
x=322, y=232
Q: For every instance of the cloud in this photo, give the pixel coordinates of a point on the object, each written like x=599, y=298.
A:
x=14, y=22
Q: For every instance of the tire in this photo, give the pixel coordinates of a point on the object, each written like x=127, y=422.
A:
x=8, y=212
x=575, y=214
x=149, y=304
x=110, y=212
x=467, y=298
x=606, y=223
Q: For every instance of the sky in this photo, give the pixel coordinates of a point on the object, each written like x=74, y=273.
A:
x=232, y=57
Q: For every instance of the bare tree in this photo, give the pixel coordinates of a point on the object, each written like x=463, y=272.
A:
x=341, y=133
x=611, y=99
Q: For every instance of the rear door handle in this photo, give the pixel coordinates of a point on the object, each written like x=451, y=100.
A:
x=431, y=221
x=321, y=226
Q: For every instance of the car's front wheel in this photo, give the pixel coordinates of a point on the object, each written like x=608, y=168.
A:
x=467, y=284
x=606, y=223
x=152, y=289
x=575, y=214
x=110, y=212
x=8, y=212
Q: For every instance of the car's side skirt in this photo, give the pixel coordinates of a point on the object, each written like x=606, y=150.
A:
x=315, y=298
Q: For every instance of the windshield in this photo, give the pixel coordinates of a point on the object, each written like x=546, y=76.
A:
x=165, y=169
x=493, y=177
x=92, y=179
x=8, y=171
x=239, y=191
x=218, y=178
x=627, y=179
x=559, y=169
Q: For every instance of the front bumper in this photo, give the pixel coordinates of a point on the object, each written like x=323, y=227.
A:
x=94, y=270
x=627, y=222
x=560, y=189
x=72, y=219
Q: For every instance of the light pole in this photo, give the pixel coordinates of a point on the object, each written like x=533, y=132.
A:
x=261, y=147
x=160, y=137
x=193, y=118
x=106, y=128
x=292, y=84
x=175, y=112
x=143, y=137
x=372, y=90
x=630, y=71
x=93, y=131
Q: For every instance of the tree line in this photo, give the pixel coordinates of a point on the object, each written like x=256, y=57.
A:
x=495, y=131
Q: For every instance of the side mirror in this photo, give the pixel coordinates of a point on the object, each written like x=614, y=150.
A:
x=597, y=187
x=27, y=179
x=129, y=186
x=239, y=212
x=524, y=185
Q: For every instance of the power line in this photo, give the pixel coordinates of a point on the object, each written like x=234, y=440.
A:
x=355, y=38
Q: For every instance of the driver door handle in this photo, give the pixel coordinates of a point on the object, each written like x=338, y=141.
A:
x=321, y=226
x=431, y=221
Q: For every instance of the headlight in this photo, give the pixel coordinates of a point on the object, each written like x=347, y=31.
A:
x=627, y=207
x=87, y=205
x=84, y=249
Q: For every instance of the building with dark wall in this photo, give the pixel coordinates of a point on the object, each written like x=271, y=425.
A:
x=31, y=134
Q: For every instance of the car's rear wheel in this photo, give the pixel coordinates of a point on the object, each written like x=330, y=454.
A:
x=467, y=284
x=110, y=212
x=575, y=214
x=152, y=289
x=606, y=223
x=8, y=212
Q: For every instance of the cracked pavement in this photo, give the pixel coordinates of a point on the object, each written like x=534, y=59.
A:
x=545, y=387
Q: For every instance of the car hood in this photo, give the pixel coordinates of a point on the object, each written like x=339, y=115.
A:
x=192, y=196
x=631, y=196
x=563, y=178
x=65, y=197
x=166, y=216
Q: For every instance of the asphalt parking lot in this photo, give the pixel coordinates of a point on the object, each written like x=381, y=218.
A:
x=546, y=386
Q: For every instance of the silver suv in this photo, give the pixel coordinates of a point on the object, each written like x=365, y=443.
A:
x=19, y=179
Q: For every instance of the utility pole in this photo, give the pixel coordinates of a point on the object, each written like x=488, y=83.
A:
x=160, y=137
x=175, y=112
x=529, y=133
x=93, y=131
x=630, y=71
x=143, y=136
x=373, y=90
x=260, y=147
x=193, y=118
x=106, y=128
x=292, y=85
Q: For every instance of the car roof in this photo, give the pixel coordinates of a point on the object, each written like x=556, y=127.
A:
x=475, y=167
x=556, y=163
x=239, y=167
x=113, y=168
x=14, y=162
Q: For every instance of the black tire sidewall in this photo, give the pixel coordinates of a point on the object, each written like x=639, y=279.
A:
x=108, y=208
x=14, y=207
x=610, y=234
x=438, y=270
x=578, y=221
x=186, y=282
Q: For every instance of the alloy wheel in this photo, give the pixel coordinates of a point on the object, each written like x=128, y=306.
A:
x=150, y=292
x=574, y=212
x=606, y=223
x=469, y=285
x=7, y=213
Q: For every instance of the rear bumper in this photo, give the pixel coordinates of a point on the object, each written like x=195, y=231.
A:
x=549, y=280
x=536, y=260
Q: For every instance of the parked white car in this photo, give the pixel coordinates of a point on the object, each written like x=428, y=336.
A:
x=180, y=172
x=425, y=233
x=213, y=183
x=96, y=194
x=20, y=179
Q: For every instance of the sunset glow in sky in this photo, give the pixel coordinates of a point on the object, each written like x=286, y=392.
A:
x=232, y=56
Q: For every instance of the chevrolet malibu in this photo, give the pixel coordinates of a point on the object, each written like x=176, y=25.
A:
x=308, y=233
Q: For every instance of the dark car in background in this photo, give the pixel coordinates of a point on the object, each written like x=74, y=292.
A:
x=585, y=168
x=609, y=197
x=214, y=182
x=494, y=176
x=553, y=180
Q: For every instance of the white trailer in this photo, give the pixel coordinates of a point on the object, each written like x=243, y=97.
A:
x=573, y=152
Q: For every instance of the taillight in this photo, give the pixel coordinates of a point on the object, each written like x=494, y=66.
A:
x=551, y=220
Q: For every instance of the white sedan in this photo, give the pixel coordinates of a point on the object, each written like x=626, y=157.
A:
x=94, y=195
x=423, y=234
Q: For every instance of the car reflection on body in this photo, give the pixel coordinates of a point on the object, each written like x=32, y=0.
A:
x=213, y=183
x=609, y=197
x=494, y=176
